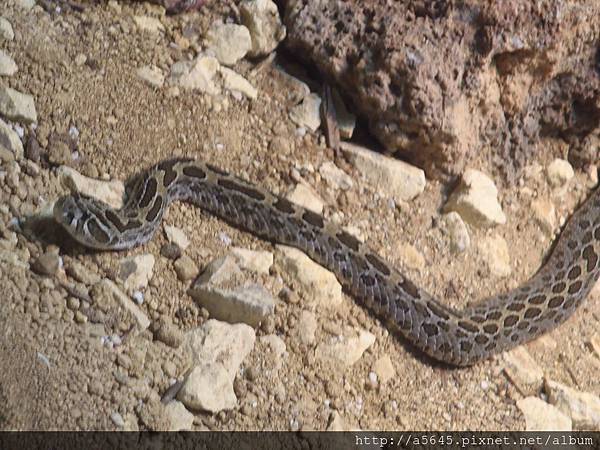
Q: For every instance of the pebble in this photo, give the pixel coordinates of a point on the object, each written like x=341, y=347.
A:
x=411, y=257
x=384, y=369
x=135, y=272
x=261, y=17
x=138, y=297
x=476, y=200
x=110, y=192
x=59, y=153
x=559, y=172
x=345, y=349
x=169, y=334
x=233, y=81
x=308, y=112
x=117, y=419
x=79, y=272
x=399, y=180
x=185, y=268
x=494, y=251
x=198, y=74
x=228, y=42
x=457, y=232
x=255, y=261
x=540, y=416
x=304, y=196
x=11, y=147
x=306, y=327
x=320, y=285
x=151, y=75
x=336, y=422
x=149, y=24
x=15, y=105
x=170, y=251
x=8, y=66
x=179, y=417
x=582, y=407
x=544, y=214
x=107, y=296
x=335, y=176
x=523, y=371
x=176, y=236
x=47, y=264
x=6, y=30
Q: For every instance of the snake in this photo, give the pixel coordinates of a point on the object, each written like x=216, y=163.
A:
x=456, y=337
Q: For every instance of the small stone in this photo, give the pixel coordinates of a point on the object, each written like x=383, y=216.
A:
x=117, y=419
x=177, y=236
x=306, y=328
x=540, y=416
x=335, y=176
x=33, y=150
x=494, y=251
x=336, y=422
x=10, y=143
x=79, y=272
x=544, y=214
x=80, y=317
x=179, y=417
x=345, y=349
x=47, y=264
x=6, y=30
x=107, y=296
x=185, y=268
x=253, y=260
x=457, y=231
x=229, y=42
x=261, y=17
x=17, y=106
x=523, y=371
x=307, y=113
x=80, y=59
x=151, y=75
x=320, y=285
x=307, y=198
x=169, y=334
x=400, y=180
x=198, y=74
x=73, y=303
x=135, y=272
x=476, y=200
x=233, y=81
x=582, y=407
x=59, y=153
x=149, y=24
x=594, y=344
x=384, y=368
x=109, y=192
x=170, y=251
x=220, y=271
x=559, y=172
x=8, y=66
x=411, y=257
x=208, y=388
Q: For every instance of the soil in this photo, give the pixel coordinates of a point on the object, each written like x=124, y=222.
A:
x=55, y=377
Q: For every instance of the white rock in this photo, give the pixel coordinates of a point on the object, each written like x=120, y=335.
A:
x=198, y=74
x=544, y=214
x=106, y=294
x=307, y=113
x=179, y=417
x=304, y=196
x=494, y=251
x=411, y=257
x=150, y=24
x=151, y=75
x=185, y=268
x=457, y=231
x=523, y=371
x=176, y=236
x=10, y=143
x=319, y=285
x=233, y=81
x=582, y=407
x=306, y=328
x=384, y=368
x=228, y=42
x=335, y=176
x=135, y=272
x=397, y=178
x=208, y=388
x=27, y=5
x=8, y=66
x=17, y=106
x=345, y=349
x=476, y=200
x=117, y=419
x=258, y=261
x=540, y=416
x=261, y=17
x=6, y=30
x=220, y=271
x=559, y=172
x=109, y=192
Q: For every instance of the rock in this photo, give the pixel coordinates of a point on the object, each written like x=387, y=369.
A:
x=476, y=200
x=169, y=334
x=346, y=121
x=336, y=422
x=523, y=371
x=384, y=369
x=151, y=75
x=457, y=231
x=80, y=273
x=170, y=251
x=198, y=74
x=176, y=236
x=544, y=214
x=109, y=298
x=304, y=196
x=135, y=272
x=559, y=172
x=228, y=42
x=582, y=407
x=109, y=192
x=345, y=349
x=494, y=251
x=398, y=179
x=208, y=388
x=306, y=328
x=233, y=81
x=6, y=30
x=185, y=268
x=17, y=106
x=11, y=258
x=179, y=417
x=26, y=5
x=335, y=176
x=117, y=419
x=594, y=343
x=10, y=143
x=47, y=264
x=307, y=113
x=221, y=271
x=319, y=285
x=8, y=66
x=149, y=24
x=253, y=260
x=540, y=416
x=261, y=17
x=59, y=153
x=411, y=257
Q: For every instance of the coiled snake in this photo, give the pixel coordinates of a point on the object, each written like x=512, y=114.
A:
x=456, y=337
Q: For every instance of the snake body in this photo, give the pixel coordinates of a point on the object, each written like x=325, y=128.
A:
x=458, y=337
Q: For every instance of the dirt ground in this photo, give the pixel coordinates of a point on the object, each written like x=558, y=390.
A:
x=126, y=125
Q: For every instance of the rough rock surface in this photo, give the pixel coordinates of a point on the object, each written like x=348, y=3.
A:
x=442, y=82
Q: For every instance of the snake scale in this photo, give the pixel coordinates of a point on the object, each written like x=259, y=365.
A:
x=458, y=337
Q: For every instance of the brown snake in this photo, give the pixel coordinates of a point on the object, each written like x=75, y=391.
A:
x=456, y=337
